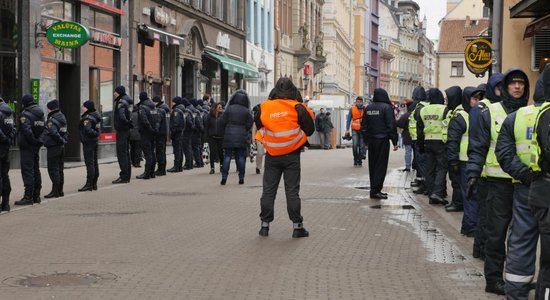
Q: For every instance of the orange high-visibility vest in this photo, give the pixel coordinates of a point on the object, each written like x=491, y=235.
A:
x=356, y=117
x=281, y=133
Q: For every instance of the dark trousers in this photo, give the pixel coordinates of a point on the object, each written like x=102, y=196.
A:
x=123, y=154
x=5, y=177
x=540, y=206
x=240, y=160
x=358, y=145
x=419, y=161
x=30, y=171
x=136, y=154
x=56, y=164
x=469, y=219
x=90, y=159
x=481, y=191
x=160, y=150
x=177, y=145
x=379, y=153
x=196, y=144
x=187, y=147
x=456, y=198
x=216, y=150
x=275, y=167
x=436, y=168
x=500, y=197
x=148, y=148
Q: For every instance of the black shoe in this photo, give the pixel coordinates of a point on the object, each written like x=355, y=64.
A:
x=379, y=196
x=406, y=170
x=476, y=253
x=188, y=168
x=143, y=176
x=241, y=181
x=264, y=231
x=5, y=207
x=120, y=180
x=355, y=164
x=385, y=194
x=224, y=180
x=495, y=288
x=212, y=171
x=436, y=199
x=415, y=184
x=300, y=232
x=160, y=173
x=470, y=234
x=86, y=187
x=454, y=208
x=257, y=171
x=420, y=190
x=25, y=201
x=136, y=165
x=36, y=199
x=53, y=194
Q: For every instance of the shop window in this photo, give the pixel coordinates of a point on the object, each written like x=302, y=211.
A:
x=8, y=54
x=457, y=69
x=58, y=9
x=103, y=21
x=541, y=48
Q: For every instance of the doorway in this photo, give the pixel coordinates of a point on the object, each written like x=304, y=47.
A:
x=69, y=103
x=188, y=79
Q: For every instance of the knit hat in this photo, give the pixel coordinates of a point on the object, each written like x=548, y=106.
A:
x=185, y=102
x=121, y=90
x=27, y=100
x=193, y=101
x=176, y=100
x=516, y=76
x=89, y=105
x=143, y=96
x=156, y=99
x=53, y=105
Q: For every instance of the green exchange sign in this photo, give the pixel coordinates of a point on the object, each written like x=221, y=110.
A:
x=67, y=34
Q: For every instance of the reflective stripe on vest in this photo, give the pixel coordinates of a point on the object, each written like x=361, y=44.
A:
x=356, y=117
x=412, y=120
x=463, y=156
x=535, y=149
x=432, y=116
x=281, y=133
x=492, y=167
x=523, y=132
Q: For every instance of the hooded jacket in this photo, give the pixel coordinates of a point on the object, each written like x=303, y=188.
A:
x=55, y=133
x=177, y=119
x=543, y=130
x=457, y=125
x=454, y=97
x=237, y=121
x=89, y=127
x=123, y=113
x=164, y=117
x=32, y=126
x=434, y=97
x=148, y=118
x=7, y=127
x=479, y=143
x=403, y=123
x=379, y=119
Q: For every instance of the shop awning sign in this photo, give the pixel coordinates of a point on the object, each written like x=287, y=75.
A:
x=478, y=55
x=67, y=34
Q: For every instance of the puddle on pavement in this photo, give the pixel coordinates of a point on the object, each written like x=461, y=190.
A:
x=60, y=280
x=392, y=206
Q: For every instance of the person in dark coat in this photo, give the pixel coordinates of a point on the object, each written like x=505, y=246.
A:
x=237, y=123
x=214, y=133
x=177, y=125
x=326, y=129
x=187, y=137
x=403, y=123
x=123, y=124
x=32, y=126
x=454, y=104
x=7, y=136
x=89, y=128
x=54, y=137
x=419, y=97
x=148, y=128
x=196, y=136
x=378, y=127
x=161, y=137
x=136, y=154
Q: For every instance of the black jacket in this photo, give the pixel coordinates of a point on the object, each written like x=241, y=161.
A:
x=164, y=118
x=378, y=119
x=148, y=121
x=55, y=133
x=89, y=127
x=123, y=113
x=7, y=127
x=177, y=120
x=457, y=125
x=237, y=121
x=435, y=97
x=480, y=142
x=403, y=123
x=214, y=126
x=32, y=126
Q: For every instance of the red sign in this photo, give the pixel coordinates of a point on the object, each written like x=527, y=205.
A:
x=307, y=70
x=107, y=137
x=106, y=38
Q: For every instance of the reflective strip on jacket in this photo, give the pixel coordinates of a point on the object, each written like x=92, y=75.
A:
x=463, y=155
x=432, y=116
x=523, y=132
x=412, y=120
x=492, y=167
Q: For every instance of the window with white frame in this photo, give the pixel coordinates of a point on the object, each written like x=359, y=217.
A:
x=457, y=69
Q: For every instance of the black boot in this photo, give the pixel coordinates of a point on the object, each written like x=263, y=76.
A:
x=176, y=168
x=152, y=174
x=161, y=171
x=94, y=184
x=145, y=175
x=26, y=200
x=5, y=206
x=54, y=193
x=36, y=196
x=87, y=187
x=60, y=190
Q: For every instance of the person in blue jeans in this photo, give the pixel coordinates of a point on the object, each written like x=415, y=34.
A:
x=403, y=123
x=236, y=123
x=354, y=118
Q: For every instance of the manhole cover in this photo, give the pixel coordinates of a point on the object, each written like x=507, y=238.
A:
x=109, y=214
x=389, y=206
x=60, y=280
x=172, y=194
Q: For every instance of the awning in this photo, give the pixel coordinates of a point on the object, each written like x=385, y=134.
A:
x=234, y=65
x=537, y=25
x=163, y=36
x=530, y=9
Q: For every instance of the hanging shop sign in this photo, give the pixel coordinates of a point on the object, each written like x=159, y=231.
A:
x=35, y=89
x=478, y=56
x=160, y=17
x=67, y=34
x=108, y=39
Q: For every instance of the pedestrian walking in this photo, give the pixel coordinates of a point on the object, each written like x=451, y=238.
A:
x=89, y=129
x=237, y=123
x=353, y=121
x=7, y=136
x=283, y=123
x=378, y=127
x=161, y=137
x=123, y=124
x=481, y=157
x=148, y=124
x=403, y=123
x=454, y=133
x=177, y=125
x=214, y=133
x=54, y=137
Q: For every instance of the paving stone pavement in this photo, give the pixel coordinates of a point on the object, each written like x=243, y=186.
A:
x=183, y=236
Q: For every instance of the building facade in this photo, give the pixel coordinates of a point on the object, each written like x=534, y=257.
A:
x=390, y=43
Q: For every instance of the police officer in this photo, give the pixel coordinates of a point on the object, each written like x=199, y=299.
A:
x=32, y=125
x=455, y=121
x=136, y=155
x=353, y=121
x=283, y=123
x=7, y=135
x=148, y=124
x=540, y=188
x=123, y=124
x=514, y=155
x=89, y=129
x=431, y=142
x=160, y=139
x=187, y=135
x=378, y=127
x=54, y=137
x=420, y=99
x=177, y=125
x=481, y=157
x=196, y=140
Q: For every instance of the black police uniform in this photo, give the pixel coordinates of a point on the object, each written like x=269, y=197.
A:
x=187, y=135
x=196, y=138
x=136, y=155
x=123, y=124
x=89, y=129
x=7, y=135
x=32, y=126
x=378, y=128
x=148, y=128
x=456, y=128
x=160, y=139
x=177, y=126
x=54, y=137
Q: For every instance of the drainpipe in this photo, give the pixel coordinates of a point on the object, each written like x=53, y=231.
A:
x=496, y=36
x=351, y=58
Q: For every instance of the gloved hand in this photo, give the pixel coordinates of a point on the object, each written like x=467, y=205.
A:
x=526, y=178
x=471, y=186
x=454, y=167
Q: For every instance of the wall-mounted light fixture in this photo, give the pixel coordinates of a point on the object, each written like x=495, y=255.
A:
x=167, y=81
x=149, y=77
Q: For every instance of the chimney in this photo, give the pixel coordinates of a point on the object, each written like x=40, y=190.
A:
x=468, y=22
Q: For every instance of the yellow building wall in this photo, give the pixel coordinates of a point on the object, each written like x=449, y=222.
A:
x=358, y=61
